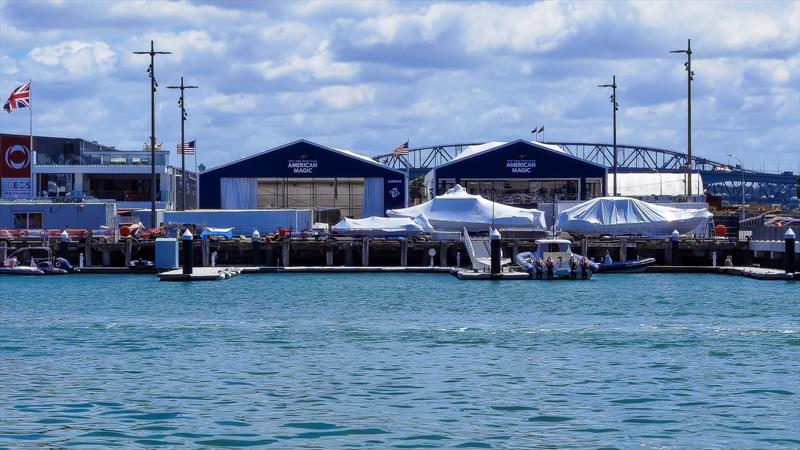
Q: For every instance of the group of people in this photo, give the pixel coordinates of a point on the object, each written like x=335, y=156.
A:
x=546, y=267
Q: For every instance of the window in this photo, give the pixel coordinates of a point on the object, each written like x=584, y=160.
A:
x=594, y=188
x=27, y=220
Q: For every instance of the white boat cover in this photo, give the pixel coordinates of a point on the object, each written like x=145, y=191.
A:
x=383, y=226
x=458, y=209
x=622, y=215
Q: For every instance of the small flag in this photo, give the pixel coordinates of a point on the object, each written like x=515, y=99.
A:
x=19, y=98
x=401, y=151
x=188, y=148
x=541, y=129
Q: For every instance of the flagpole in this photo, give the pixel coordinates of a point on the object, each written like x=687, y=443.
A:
x=34, y=188
x=196, y=179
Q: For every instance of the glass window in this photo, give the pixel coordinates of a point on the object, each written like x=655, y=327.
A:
x=26, y=220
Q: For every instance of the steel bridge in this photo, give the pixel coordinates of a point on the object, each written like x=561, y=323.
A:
x=720, y=179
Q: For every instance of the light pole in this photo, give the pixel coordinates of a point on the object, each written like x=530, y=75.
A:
x=741, y=169
x=153, y=84
x=690, y=77
x=660, y=182
x=182, y=104
x=615, y=107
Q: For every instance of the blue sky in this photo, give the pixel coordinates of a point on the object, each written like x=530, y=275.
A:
x=370, y=75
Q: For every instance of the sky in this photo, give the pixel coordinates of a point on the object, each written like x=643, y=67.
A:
x=368, y=76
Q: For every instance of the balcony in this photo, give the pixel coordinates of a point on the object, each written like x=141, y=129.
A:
x=106, y=158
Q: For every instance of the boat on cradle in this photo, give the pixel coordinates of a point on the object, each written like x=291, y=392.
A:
x=633, y=266
x=40, y=262
x=553, y=259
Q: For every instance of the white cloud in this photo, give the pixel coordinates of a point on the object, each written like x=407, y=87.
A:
x=504, y=114
x=483, y=26
x=79, y=59
x=196, y=42
x=337, y=97
x=180, y=11
x=738, y=26
x=8, y=66
x=319, y=66
x=235, y=103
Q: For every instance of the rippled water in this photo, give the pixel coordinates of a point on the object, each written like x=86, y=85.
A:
x=400, y=361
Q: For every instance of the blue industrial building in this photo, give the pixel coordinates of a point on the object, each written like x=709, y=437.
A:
x=520, y=173
x=305, y=175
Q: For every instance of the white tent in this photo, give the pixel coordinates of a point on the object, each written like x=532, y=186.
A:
x=458, y=209
x=621, y=215
x=641, y=184
x=383, y=226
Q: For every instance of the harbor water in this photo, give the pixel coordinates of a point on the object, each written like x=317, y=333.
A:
x=399, y=361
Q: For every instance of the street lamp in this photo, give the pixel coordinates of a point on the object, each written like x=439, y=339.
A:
x=153, y=84
x=615, y=107
x=660, y=182
x=182, y=104
x=688, y=66
x=741, y=169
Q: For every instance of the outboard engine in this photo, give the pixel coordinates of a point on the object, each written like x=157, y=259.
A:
x=62, y=263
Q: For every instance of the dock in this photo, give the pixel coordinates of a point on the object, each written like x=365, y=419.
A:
x=201, y=274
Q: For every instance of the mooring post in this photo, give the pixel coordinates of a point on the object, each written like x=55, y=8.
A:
x=285, y=252
x=205, y=251
x=495, y=238
x=403, y=252
x=675, y=239
x=256, y=242
x=585, y=247
x=365, y=252
x=623, y=250
x=63, y=245
x=87, y=251
x=458, y=259
x=329, y=256
x=443, y=254
x=789, y=251
x=188, y=252
x=348, y=254
x=128, y=251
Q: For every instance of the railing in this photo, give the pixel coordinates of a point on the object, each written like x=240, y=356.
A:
x=137, y=158
x=118, y=195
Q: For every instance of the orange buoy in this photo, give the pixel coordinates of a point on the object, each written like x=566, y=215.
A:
x=125, y=231
x=720, y=230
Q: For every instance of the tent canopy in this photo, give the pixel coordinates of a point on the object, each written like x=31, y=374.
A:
x=383, y=226
x=621, y=215
x=458, y=209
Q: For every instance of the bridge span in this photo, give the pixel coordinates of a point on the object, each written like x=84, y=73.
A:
x=720, y=179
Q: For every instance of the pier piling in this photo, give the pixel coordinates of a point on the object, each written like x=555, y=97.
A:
x=365, y=252
x=128, y=251
x=789, y=251
x=285, y=252
x=495, y=238
x=205, y=251
x=404, y=253
x=256, y=247
x=188, y=252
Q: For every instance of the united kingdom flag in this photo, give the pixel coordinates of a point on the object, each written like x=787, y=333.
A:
x=19, y=98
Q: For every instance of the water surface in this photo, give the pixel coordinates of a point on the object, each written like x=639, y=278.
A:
x=400, y=361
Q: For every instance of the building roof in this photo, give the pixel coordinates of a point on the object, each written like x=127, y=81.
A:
x=343, y=152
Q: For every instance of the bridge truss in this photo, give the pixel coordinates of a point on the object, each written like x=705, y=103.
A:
x=720, y=179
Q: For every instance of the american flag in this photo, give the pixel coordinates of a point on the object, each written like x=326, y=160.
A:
x=188, y=148
x=401, y=151
x=19, y=98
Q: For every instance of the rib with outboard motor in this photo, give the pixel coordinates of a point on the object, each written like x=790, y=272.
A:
x=553, y=258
